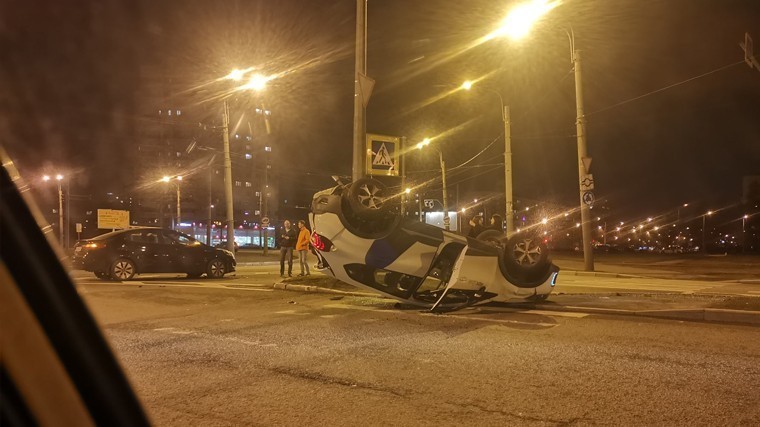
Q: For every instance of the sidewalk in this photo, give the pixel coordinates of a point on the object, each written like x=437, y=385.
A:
x=257, y=257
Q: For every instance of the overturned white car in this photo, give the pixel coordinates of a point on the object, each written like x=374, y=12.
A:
x=361, y=239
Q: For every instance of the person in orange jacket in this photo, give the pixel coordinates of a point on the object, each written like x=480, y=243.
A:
x=302, y=246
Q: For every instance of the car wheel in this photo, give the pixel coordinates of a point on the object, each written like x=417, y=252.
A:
x=527, y=253
x=494, y=237
x=367, y=196
x=215, y=269
x=122, y=269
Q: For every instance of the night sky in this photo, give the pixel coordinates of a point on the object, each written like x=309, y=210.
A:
x=71, y=76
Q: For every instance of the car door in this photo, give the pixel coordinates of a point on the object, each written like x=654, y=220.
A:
x=186, y=253
x=148, y=251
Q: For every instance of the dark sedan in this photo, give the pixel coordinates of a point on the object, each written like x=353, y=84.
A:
x=122, y=254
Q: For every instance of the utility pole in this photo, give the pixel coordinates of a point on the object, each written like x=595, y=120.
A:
x=179, y=210
x=360, y=69
x=580, y=124
x=446, y=219
x=264, y=212
x=508, y=170
x=228, y=178
x=402, y=147
x=60, y=211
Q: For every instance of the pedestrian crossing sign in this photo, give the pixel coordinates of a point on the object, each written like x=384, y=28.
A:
x=383, y=155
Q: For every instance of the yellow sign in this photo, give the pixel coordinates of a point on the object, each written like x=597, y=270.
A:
x=112, y=219
x=383, y=154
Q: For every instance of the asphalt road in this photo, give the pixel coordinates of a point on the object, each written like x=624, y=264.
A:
x=236, y=352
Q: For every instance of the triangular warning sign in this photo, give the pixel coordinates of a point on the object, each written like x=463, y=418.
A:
x=383, y=157
x=366, y=84
x=586, y=163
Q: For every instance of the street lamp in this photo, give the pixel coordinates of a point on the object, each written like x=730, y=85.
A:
x=256, y=82
x=704, y=249
x=179, y=211
x=504, y=110
x=58, y=178
x=446, y=220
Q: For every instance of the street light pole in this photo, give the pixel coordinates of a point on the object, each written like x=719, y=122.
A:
x=446, y=219
x=179, y=211
x=59, y=178
x=228, y=178
x=508, y=168
x=704, y=248
x=588, y=254
x=360, y=68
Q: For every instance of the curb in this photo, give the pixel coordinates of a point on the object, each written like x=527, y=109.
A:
x=718, y=315
x=320, y=290
x=258, y=263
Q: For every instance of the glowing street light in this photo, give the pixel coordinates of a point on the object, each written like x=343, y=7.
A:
x=708, y=213
x=446, y=220
x=58, y=178
x=257, y=82
x=521, y=18
x=505, y=117
x=178, y=178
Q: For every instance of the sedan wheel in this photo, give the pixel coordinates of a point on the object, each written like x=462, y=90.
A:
x=216, y=269
x=122, y=269
x=527, y=252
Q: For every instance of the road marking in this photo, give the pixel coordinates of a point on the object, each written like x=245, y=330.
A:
x=293, y=312
x=214, y=337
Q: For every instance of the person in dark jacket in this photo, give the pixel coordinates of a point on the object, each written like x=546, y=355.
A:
x=476, y=226
x=496, y=223
x=288, y=237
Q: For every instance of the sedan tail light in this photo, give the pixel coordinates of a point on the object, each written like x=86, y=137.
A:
x=95, y=245
x=321, y=243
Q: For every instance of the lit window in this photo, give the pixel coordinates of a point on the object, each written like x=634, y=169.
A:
x=257, y=212
x=237, y=136
x=178, y=154
x=247, y=184
x=248, y=137
x=159, y=112
x=258, y=193
x=238, y=183
x=267, y=148
x=269, y=166
x=248, y=156
x=169, y=112
x=247, y=146
x=179, y=112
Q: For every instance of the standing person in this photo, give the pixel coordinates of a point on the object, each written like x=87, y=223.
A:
x=288, y=238
x=302, y=246
x=496, y=223
x=476, y=226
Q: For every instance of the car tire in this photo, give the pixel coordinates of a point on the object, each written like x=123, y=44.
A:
x=122, y=269
x=526, y=253
x=368, y=196
x=216, y=269
x=494, y=237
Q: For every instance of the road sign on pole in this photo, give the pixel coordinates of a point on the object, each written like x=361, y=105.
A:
x=383, y=154
x=588, y=198
x=587, y=182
